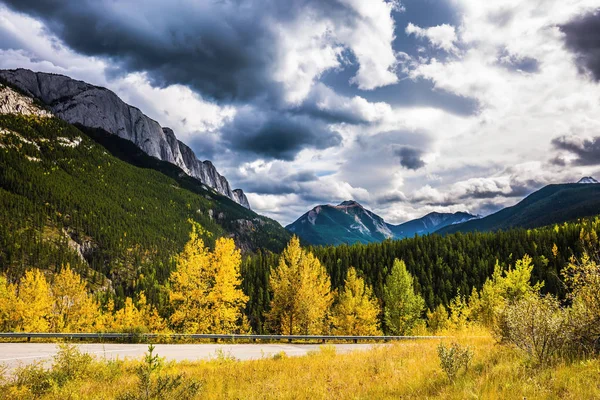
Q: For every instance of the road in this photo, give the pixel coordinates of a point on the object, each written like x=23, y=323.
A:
x=14, y=354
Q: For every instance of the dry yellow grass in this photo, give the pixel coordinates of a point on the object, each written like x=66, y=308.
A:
x=407, y=370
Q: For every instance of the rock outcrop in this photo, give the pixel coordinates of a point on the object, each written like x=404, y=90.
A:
x=78, y=102
x=12, y=102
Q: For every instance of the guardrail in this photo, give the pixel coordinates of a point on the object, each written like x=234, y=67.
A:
x=215, y=338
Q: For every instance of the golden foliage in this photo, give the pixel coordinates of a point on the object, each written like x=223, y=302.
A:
x=34, y=303
x=74, y=308
x=205, y=288
x=302, y=295
x=357, y=310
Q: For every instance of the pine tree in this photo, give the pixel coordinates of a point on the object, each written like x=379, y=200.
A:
x=356, y=311
x=301, y=293
x=403, y=307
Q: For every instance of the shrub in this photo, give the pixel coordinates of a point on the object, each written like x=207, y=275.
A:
x=70, y=364
x=154, y=384
x=583, y=279
x=35, y=378
x=537, y=325
x=453, y=358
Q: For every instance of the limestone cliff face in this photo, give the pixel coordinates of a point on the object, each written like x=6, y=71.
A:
x=12, y=102
x=78, y=102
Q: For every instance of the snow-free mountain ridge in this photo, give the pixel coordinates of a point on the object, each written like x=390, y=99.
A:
x=81, y=103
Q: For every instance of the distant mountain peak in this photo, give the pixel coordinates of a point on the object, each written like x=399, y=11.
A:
x=587, y=179
x=349, y=203
x=349, y=222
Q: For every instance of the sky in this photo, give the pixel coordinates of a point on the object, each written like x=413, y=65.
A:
x=406, y=106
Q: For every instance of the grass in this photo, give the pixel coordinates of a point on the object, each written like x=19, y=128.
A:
x=407, y=370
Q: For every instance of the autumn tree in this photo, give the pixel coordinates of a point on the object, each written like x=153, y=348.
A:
x=403, y=307
x=74, y=308
x=33, y=309
x=134, y=317
x=502, y=289
x=8, y=304
x=301, y=293
x=205, y=287
x=356, y=310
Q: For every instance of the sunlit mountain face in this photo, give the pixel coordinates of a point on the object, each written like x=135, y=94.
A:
x=408, y=107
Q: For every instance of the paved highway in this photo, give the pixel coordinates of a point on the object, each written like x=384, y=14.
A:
x=15, y=354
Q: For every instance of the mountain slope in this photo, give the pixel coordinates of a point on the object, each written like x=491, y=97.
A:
x=349, y=223
x=429, y=223
x=549, y=205
x=65, y=199
x=91, y=106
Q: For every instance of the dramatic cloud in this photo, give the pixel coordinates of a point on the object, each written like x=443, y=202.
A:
x=406, y=106
x=586, y=151
x=276, y=135
x=410, y=157
x=582, y=37
x=233, y=49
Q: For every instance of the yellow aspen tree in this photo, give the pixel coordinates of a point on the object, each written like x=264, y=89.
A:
x=74, y=308
x=225, y=297
x=205, y=288
x=356, y=311
x=189, y=285
x=8, y=304
x=34, y=302
x=301, y=293
x=128, y=318
x=151, y=319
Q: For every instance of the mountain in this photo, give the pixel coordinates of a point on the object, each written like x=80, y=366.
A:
x=114, y=213
x=429, y=224
x=90, y=106
x=550, y=205
x=587, y=179
x=349, y=222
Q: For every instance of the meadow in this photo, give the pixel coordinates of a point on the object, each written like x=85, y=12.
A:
x=407, y=370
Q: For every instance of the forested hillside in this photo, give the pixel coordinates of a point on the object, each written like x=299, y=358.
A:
x=442, y=265
x=65, y=199
x=550, y=205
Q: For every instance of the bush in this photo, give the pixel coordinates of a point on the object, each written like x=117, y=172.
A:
x=154, y=384
x=35, y=378
x=453, y=358
x=537, y=325
x=70, y=364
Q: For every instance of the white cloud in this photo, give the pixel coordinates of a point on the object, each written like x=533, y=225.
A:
x=440, y=36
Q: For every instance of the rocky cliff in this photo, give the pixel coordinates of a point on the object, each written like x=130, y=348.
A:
x=78, y=102
x=12, y=102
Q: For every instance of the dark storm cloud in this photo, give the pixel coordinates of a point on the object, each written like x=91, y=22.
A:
x=586, y=150
x=286, y=184
x=410, y=157
x=223, y=49
x=217, y=49
x=391, y=197
x=582, y=37
x=277, y=135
